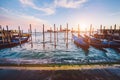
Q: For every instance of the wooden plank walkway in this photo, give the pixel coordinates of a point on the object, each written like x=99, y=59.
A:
x=110, y=73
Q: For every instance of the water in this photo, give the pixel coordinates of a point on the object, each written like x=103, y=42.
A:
x=48, y=53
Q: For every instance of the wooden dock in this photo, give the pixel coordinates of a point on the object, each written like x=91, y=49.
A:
x=99, y=73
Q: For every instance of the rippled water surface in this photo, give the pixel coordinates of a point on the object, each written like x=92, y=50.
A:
x=61, y=53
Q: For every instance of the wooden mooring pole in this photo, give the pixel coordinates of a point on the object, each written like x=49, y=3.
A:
x=54, y=36
x=114, y=31
x=119, y=32
x=35, y=35
x=111, y=32
x=2, y=33
x=19, y=34
x=43, y=36
x=31, y=36
x=72, y=30
x=90, y=30
x=110, y=29
x=57, y=34
x=67, y=36
x=71, y=34
x=104, y=33
x=101, y=31
x=8, y=35
x=50, y=34
x=78, y=30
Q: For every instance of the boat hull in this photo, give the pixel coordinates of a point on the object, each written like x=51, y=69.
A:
x=79, y=41
x=14, y=43
x=104, y=44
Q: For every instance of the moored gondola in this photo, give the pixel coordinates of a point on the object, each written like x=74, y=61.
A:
x=99, y=43
x=79, y=41
x=14, y=42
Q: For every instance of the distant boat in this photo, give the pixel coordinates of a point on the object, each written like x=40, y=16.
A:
x=79, y=41
x=14, y=42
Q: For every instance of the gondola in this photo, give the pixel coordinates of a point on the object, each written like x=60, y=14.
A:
x=14, y=42
x=79, y=41
x=103, y=43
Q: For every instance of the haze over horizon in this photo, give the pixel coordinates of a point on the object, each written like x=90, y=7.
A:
x=38, y=12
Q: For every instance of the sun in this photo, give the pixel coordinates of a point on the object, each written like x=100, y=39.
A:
x=83, y=27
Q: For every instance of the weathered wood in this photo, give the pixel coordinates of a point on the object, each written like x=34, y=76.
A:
x=57, y=34
x=50, y=34
x=67, y=36
x=78, y=30
x=31, y=35
x=2, y=34
x=19, y=34
x=43, y=37
x=109, y=73
x=35, y=35
x=119, y=32
x=90, y=31
x=54, y=35
x=114, y=31
x=101, y=31
x=8, y=35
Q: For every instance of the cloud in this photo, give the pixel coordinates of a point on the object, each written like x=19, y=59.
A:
x=69, y=3
x=50, y=8
x=7, y=17
x=31, y=4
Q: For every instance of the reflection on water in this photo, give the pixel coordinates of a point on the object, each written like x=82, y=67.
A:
x=48, y=52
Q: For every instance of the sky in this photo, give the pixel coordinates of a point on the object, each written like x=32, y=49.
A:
x=16, y=13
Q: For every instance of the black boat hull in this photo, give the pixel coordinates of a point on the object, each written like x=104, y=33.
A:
x=79, y=41
x=13, y=44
